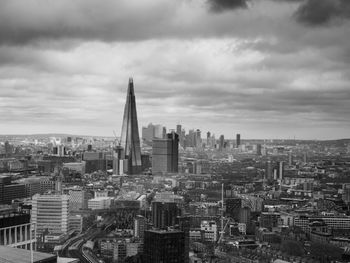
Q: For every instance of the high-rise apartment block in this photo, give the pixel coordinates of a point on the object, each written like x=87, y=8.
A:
x=130, y=139
x=165, y=154
x=139, y=226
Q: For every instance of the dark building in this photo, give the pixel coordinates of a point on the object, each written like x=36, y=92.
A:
x=164, y=246
x=8, y=149
x=221, y=142
x=208, y=138
x=130, y=139
x=10, y=191
x=245, y=216
x=179, y=132
x=238, y=140
x=233, y=207
x=269, y=220
x=164, y=214
x=14, y=228
x=258, y=149
x=279, y=171
x=94, y=161
x=146, y=161
x=184, y=223
x=268, y=170
x=165, y=154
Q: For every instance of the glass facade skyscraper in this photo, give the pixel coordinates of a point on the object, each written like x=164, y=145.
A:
x=130, y=139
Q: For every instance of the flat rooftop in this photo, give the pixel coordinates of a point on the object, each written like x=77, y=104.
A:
x=17, y=255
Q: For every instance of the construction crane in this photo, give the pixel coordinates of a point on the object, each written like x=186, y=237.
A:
x=116, y=141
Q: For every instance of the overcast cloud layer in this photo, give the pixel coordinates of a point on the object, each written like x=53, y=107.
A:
x=262, y=68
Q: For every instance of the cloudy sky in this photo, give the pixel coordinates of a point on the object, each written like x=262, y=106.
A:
x=262, y=68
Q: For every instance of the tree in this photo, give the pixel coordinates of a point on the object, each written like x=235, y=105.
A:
x=325, y=252
x=292, y=247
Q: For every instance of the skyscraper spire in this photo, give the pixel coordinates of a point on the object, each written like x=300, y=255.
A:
x=130, y=139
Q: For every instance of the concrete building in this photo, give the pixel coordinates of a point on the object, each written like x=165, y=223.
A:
x=210, y=230
x=50, y=212
x=16, y=229
x=139, y=226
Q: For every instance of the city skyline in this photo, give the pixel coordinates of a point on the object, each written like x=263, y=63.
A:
x=263, y=69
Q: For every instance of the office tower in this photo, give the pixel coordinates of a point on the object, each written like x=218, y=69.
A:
x=148, y=132
x=178, y=129
x=159, y=131
x=179, y=132
x=165, y=154
x=10, y=191
x=233, y=206
x=245, y=215
x=238, y=140
x=119, y=164
x=208, y=139
x=8, y=149
x=280, y=170
x=183, y=138
x=139, y=226
x=198, y=140
x=184, y=223
x=164, y=246
x=51, y=212
x=164, y=214
x=130, y=139
x=221, y=142
x=258, y=149
x=94, y=161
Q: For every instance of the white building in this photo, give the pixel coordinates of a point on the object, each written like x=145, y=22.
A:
x=210, y=230
x=99, y=203
x=50, y=211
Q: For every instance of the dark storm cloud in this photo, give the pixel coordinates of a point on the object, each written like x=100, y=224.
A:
x=320, y=12
x=81, y=19
x=225, y=5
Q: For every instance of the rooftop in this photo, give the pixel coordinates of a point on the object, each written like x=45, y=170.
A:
x=16, y=255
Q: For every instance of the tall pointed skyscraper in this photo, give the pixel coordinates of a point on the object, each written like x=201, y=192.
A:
x=130, y=139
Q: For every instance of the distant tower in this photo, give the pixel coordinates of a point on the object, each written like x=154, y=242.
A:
x=221, y=142
x=130, y=139
x=238, y=140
